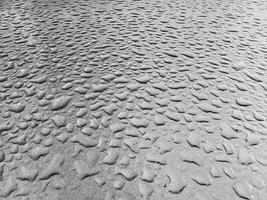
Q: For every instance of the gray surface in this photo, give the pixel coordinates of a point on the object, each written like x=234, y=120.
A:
x=157, y=100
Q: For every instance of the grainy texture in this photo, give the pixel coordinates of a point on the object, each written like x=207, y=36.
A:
x=132, y=100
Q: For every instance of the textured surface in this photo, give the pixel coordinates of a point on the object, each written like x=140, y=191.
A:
x=131, y=100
